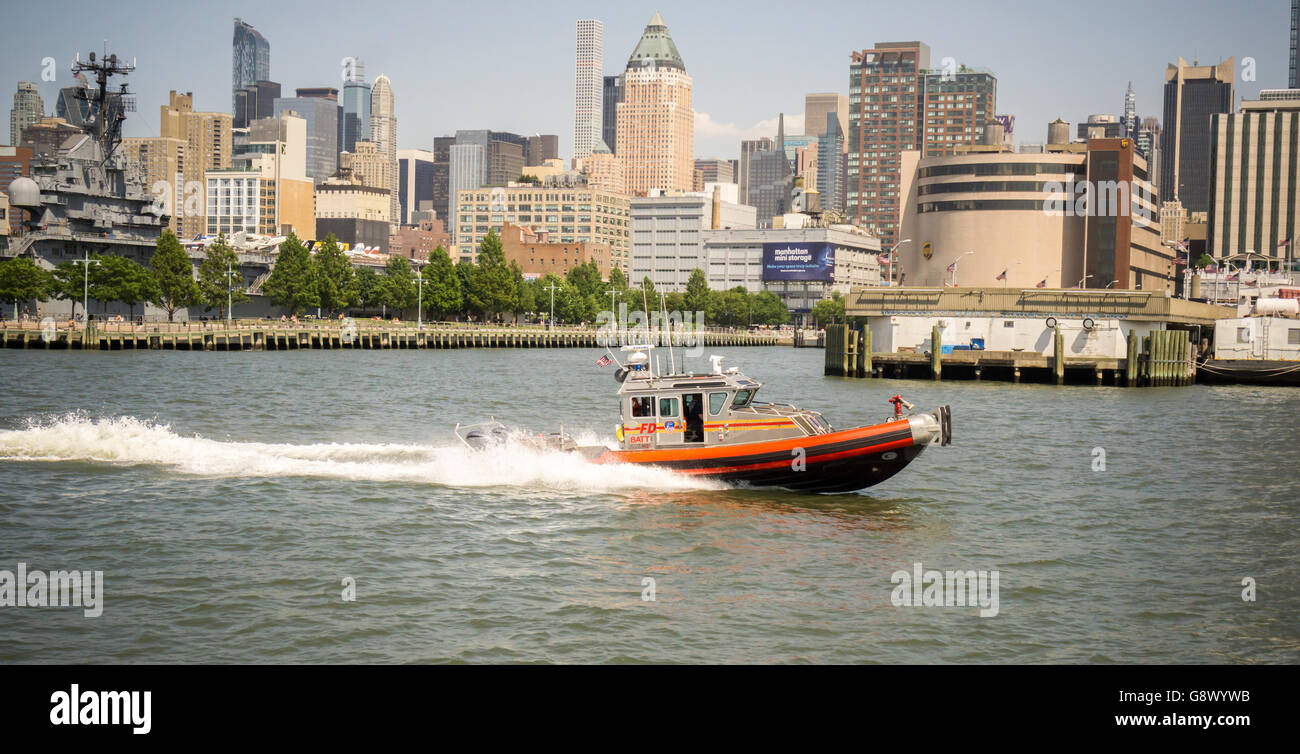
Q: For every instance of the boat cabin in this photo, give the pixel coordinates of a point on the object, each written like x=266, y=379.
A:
x=693, y=410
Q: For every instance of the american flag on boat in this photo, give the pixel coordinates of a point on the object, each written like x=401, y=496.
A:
x=604, y=361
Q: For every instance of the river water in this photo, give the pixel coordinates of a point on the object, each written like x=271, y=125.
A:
x=230, y=500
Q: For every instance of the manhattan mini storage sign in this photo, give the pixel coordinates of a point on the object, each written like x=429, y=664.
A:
x=803, y=262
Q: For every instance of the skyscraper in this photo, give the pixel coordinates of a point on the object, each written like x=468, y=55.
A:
x=815, y=108
x=588, y=97
x=415, y=175
x=28, y=108
x=208, y=146
x=322, y=116
x=830, y=163
x=1130, y=113
x=613, y=94
x=1255, y=172
x=1295, y=28
x=356, y=106
x=383, y=132
x=749, y=148
x=250, y=60
x=1193, y=94
x=885, y=118
x=769, y=179
x=656, y=123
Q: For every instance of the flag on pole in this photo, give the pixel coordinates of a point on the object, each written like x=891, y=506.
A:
x=1003, y=276
x=1285, y=242
x=1042, y=284
x=952, y=267
x=604, y=361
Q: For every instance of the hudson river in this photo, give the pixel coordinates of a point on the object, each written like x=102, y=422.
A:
x=231, y=498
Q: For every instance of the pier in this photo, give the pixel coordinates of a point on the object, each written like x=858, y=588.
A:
x=279, y=336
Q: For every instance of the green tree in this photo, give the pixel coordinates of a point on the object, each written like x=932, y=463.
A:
x=397, y=287
x=22, y=280
x=697, y=291
x=336, y=283
x=174, y=274
x=1205, y=260
x=767, y=308
x=367, y=288
x=442, y=294
x=292, y=283
x=66, y=283
x=492, y=288
x=729, y=308
x=829, y=310
x=617, y=279
x=216, y=288
x=586, y=278
x=465, y=270
x=524, y=301
x=119, y=278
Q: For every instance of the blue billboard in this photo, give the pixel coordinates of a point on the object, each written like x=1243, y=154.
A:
x=800, y=262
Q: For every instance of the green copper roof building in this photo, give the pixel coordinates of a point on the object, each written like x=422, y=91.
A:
x=656, y=48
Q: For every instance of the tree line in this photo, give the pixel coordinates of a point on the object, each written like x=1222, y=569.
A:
x=490, y=290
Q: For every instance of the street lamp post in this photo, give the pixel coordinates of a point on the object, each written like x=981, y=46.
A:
x=550, y=324
x=230, y=294
x=419, y=298
x=85, y=285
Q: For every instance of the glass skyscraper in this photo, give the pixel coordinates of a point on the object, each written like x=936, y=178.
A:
x=250, y=60
x=356, y=107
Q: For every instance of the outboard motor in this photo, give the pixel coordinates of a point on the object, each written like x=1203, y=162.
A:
x=481, y=439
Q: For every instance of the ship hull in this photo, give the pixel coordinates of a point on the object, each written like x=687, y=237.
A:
x=843, y=461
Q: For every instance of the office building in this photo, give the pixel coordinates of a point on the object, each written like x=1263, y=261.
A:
x=255, y=102
x=656, y=123
x=367, y=166
x=537, y=255
x=1100, y=127
x=568, y=214
x=539, y=148
x=1193, y=94
x=817, y=106
x=383, y=132
x=588, y=81
x=28, y=108
x=712, y=170
x=1025, y=219
x=1255, y=179
x=1294, y=78
x=266, y=190
x=749, y=148
x=612, y=95
x=415, y=182
x=73, y=102
x=666, y=230
x=250, y=60
x=800, y=265
x=603, y=170
x=832, y=161
x=322, y=116
x=885, y=118
x=356, y=106
x=770, y=178
x=356, y=214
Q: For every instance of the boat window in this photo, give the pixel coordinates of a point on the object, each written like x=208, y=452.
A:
x=668, y=407
x=742, y=398
x=716, y=402
x=643, y=406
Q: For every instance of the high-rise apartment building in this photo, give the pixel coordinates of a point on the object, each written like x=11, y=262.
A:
x=367, y=166
x=162, y=163
x=956, y=105
x=588, y=80
x=209, y=146
x=356, y=106
x=1255, y=179
x=612, y=95
x=886, y=117
x=1193, y=93
x=1130, y=113
x=656, y=123
x=250, y=60
x=28, y=108
x=383, y=132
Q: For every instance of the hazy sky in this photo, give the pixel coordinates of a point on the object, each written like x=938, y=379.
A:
x=508, y=65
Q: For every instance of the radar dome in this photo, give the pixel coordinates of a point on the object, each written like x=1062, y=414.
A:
x=24, y=192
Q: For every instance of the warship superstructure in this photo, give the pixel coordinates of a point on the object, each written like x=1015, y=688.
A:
x=84, y=197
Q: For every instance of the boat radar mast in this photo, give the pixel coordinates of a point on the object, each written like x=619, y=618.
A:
x=108, y=109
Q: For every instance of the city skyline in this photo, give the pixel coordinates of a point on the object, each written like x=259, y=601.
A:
x=1036, y=83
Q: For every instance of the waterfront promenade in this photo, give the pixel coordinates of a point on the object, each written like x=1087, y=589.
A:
x=270, y=335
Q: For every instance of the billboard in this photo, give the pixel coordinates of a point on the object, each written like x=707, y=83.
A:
x=800, y=262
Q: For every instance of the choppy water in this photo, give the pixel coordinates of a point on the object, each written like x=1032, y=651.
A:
x=226, y=497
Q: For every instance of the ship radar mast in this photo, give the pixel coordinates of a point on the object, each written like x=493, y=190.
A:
x=108, y=109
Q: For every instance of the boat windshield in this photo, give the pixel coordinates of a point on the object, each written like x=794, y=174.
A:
x=742, y=398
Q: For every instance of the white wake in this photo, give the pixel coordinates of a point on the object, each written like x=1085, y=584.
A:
x=128, y=441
